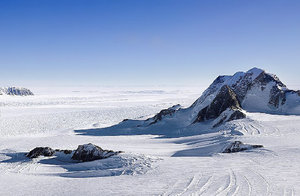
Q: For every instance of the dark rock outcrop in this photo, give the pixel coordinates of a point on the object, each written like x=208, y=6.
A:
x=64, y=151
x=229, y=115
x=40, y=151
x=165, y=112
x=238, y=146
x=15, y=91
x=91, y=152
x=86, y=152
x=225, y=99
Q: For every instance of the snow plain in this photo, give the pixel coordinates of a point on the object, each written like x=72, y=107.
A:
x=151, y=165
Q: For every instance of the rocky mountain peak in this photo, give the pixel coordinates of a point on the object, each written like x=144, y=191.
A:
x=225, y=99
x=256, y=91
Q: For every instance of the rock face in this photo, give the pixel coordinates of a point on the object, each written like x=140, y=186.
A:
x=166, y=112
x=238, y=146
x=91, y=152
x=40, y=151
x=15, y=91
x=225, y=99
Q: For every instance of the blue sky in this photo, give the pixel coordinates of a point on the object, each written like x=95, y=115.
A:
x=146, y=42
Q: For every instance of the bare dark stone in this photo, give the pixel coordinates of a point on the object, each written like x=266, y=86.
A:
x=91, y=152
x=170, y=111
x=226, y=98
x=40, y=151
x=238, y=146
x=67, y=151
x=64, y=151
x=236, y=114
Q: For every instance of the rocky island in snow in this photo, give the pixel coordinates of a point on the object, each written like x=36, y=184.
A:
x=84, y=153
x=15, y=91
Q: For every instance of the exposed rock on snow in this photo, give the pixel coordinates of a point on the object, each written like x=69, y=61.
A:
x=86, y=152
x=228, y=115
x=15, y=91
x=166, y=112
x=225, y=100
x=40, y=151
x=238, y=146
x=91, y=152
x=64, y=151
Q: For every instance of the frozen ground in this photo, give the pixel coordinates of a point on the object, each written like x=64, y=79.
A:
x=151, y=165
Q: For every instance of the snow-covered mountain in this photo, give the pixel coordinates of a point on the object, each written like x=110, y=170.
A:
x=227, y=98
x=253, y=91
x=15, y=91
x=257, y=91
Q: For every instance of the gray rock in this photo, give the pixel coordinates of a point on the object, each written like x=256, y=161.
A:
x=225, y=99
x=229, y=115
x=15, y=91
x=91, y=152
x=238, y=146
x=64, y=151
x=40, y=151
x=166, y=112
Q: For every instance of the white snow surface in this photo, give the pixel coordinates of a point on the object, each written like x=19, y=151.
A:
x=152, y=164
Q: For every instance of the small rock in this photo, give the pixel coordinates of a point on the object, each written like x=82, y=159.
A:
x=40, y=151
x=91, y=152
x=64, y=151
x=238, y=146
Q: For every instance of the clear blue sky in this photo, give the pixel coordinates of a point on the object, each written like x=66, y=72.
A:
x=125, y=42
